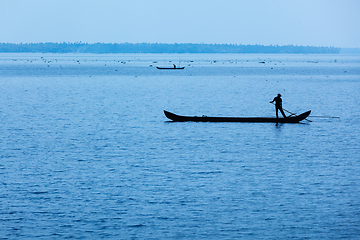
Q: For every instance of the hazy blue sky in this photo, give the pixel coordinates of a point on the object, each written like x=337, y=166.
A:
x=299, y=22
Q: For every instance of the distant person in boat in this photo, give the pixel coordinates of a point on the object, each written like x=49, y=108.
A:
x=278, y=105
x=174, y=65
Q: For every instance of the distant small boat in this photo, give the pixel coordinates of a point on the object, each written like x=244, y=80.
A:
x=173, y=68
x=292, y=119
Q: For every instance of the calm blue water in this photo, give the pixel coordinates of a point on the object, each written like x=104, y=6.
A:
x=87, y=153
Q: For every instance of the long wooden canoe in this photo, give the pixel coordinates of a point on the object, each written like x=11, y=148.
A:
x=292, y=119
x=164, y=68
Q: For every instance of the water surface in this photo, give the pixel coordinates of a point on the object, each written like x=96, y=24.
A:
x=86, y=151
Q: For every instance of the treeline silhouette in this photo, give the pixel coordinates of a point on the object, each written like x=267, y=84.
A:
x=50, y=47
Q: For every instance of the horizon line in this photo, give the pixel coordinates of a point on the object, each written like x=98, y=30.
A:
x=175, y=43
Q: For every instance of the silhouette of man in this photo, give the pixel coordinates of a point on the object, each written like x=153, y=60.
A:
x=278, y=105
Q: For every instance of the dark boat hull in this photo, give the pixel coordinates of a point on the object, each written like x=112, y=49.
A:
x=162, y=68
x=178, y=118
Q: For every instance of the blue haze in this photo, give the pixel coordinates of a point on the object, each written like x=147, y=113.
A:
x=86, y=151
x=160, y=48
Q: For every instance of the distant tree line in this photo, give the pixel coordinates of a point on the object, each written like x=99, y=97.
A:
x=50, y=47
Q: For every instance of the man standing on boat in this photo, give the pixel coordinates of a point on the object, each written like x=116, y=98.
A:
x=278, y=105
